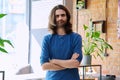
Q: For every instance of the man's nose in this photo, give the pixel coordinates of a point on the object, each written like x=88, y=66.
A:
x=60, y=17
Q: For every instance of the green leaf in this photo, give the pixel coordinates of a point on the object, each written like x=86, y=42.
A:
x=109, y=46
x=85, y=27
x=87, y=34
x=96, y=34
x=1, y=42
x=98, y=39
x=100, y=56
x=3, y=50
x=8, y=41
x=2, y=15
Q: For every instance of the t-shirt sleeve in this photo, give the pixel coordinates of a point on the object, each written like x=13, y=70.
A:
x=78, y=46
x=44, y=57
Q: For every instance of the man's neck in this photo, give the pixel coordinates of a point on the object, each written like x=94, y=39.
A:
x=61, y=31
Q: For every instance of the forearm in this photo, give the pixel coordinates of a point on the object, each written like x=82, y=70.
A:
x=72, y=63
x=51, y=66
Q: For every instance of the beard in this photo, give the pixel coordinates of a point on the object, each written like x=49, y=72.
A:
x=61, y=23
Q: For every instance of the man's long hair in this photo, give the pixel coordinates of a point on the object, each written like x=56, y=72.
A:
x=52, y=20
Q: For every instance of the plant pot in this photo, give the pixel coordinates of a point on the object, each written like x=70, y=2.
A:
x=86, y=60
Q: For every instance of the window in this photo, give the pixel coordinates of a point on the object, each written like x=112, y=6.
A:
x=13, y=27
x=39, y=21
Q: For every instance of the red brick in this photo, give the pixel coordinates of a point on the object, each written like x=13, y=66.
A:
x=96, y=9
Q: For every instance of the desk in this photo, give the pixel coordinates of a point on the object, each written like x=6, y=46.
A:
x=3, y=75
x=91, y=66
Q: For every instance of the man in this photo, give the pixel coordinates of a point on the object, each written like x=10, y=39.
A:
x=61, y=50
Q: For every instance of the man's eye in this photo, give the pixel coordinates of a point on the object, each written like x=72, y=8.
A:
x=57, y=15
x=63, y=15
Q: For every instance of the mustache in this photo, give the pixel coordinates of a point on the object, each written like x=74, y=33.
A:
x=61, y=21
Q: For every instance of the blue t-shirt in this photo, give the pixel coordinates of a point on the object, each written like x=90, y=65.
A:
x=62, y=47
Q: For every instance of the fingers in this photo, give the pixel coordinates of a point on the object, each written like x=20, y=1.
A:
x=51, y=61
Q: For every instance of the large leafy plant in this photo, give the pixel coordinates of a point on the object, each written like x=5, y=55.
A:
x=93, y=44
x=3, y=41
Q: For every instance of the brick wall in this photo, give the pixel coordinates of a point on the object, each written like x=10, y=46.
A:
x=102, y=10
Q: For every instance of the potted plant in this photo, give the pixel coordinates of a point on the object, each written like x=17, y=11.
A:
x=93, y=44
x=80, y=4
x=3, y=41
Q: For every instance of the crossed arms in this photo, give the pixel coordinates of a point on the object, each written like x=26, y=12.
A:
x=57, y=64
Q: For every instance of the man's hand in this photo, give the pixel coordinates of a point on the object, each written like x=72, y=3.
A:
x=52, y=67
x=75, y=56
x=71, y=63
